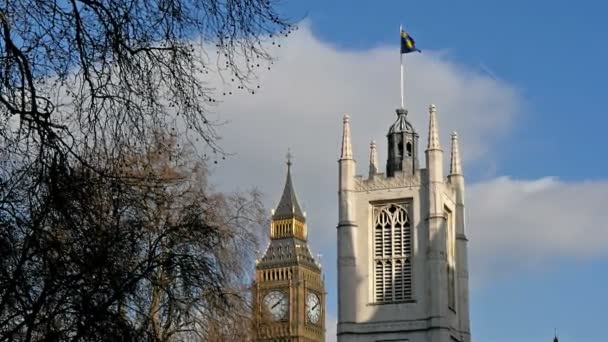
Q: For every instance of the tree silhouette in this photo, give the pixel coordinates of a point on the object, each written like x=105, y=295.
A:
x=156, y=255
x=109, y=230
x=99, y=70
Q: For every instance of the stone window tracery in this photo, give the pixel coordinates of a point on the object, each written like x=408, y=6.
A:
x=392, y=241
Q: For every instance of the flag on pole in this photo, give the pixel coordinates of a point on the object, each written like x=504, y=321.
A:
x=407, y=43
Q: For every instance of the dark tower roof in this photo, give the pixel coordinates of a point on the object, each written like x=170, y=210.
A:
x=288, y=205
x=401, y=125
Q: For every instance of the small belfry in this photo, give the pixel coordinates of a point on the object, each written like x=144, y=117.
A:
x=402, y=248
x=402, y=146
x=289, y=289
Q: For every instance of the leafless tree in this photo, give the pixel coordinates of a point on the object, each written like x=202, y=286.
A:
x=161, y=256
x=90, y=71
x=109, y=229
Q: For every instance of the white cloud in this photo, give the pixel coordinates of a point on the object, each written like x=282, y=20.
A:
x=517, y=225
x=303, y=98
x=313, y=84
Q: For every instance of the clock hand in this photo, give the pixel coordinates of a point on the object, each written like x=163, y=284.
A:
x=314, y=307
x=277, y=303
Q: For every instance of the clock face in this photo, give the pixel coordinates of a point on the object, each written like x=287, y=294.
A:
x=313, y=307
x=277, y=304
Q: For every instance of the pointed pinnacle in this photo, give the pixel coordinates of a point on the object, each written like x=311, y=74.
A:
x=555, y=335
x=289, y=158
x=288, y=205
x=455, y=165
x=373, y=158
x=433, y=139
x=347, y=149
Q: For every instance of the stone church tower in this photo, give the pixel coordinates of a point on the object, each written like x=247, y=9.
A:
x=402, y=248
x=289, y=290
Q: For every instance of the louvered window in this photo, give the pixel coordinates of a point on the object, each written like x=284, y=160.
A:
x=392, y=254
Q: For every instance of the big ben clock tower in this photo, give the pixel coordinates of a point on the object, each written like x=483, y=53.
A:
x=289, y=293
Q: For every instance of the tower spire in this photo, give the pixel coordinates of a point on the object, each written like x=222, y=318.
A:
x=455, y=165
x=289, y=156
x=288, y=205
x=347, y=149
x=433, y=139
x=373, y=159
x=555, y=336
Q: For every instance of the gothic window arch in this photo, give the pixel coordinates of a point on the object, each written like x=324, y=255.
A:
x=392, y=243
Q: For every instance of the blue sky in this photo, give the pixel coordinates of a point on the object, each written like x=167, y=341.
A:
x=524, y=84
x=552, y=51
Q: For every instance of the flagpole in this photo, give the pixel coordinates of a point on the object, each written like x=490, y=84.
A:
x=401, y=62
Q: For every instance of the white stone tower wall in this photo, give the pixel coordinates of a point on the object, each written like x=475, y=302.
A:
x=427, y=317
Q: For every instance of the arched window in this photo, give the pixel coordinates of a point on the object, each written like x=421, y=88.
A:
x=392, y=254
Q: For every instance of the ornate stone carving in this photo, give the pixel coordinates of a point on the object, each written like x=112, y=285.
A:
x=380, y=182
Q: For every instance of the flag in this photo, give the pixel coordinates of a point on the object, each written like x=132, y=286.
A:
x=407, y=43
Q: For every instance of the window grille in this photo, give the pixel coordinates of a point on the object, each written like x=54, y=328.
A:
x=392, y=254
